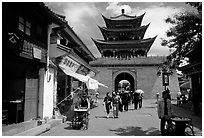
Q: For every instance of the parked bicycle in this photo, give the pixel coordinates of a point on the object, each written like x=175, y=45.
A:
x=179, y=126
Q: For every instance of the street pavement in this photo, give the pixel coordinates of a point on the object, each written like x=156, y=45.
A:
x=141, y=122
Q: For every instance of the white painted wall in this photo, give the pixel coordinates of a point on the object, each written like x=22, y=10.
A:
x=48, y=94
x=41, y=92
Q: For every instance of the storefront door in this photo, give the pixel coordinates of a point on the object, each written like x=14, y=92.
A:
x=31, y=96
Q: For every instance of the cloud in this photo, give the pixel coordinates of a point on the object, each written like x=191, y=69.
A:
x=85, y=16
x=115, y=8
x=82, y=17
x=77, y=11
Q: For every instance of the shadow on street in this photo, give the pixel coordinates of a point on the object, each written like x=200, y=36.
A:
x=103, y=117
x=136, y=131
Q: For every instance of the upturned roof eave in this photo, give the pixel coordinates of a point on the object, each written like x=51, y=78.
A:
x=125, y=42
x=152, y=43
x=126, y=29
x=125, y=15
x=108, y=20
x=96, y=45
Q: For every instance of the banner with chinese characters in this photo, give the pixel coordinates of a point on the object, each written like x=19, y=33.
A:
x=69, y=64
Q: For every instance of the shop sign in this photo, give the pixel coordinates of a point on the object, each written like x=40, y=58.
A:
x=69, y=64
x=13, y=37
x=37, y=53
x=13, y=41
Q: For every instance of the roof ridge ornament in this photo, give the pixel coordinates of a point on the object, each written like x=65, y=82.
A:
x=123, y=11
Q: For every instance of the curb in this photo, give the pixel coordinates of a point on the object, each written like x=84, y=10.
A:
x=35, y=131
x=40, y=129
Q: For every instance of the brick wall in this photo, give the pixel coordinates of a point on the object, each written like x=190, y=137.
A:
x=146, y=78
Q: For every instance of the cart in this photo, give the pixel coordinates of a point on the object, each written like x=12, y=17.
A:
x=80, y=119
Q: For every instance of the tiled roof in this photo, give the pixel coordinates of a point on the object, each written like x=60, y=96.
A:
x=124, y=29
x=125, y=41
x=154, y=60
x=124, y=22
x=144, y=44
x=131, y=32
x=125, y=17
x=63, y=22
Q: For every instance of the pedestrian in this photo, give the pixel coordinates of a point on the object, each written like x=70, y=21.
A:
x=107, y=102
x=125, y=100
x=120, y=104
x=116, y=99
x=136, y=99
x=140, y=100
x=164, y=109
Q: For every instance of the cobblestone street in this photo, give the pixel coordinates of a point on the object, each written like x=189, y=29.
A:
x=141, y=122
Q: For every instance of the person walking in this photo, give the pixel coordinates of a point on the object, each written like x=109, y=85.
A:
x=140, y=100
x=164, y=110
x=116, y=99
x=120, y=104
x=107, y=102
x=125, y=100
x=136, y=99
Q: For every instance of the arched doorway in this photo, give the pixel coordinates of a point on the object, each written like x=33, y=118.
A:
x=126, y=79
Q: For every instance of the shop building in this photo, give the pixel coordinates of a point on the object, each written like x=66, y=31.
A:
x=29, y=72
x=193, y=71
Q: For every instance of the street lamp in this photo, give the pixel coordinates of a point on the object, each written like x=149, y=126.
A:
x=165, y=78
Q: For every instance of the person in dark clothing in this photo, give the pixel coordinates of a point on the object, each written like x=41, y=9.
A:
x=164, y=109
x=140, y=100
x=125, y=100
x=116, y=99
x=136, y=99
x=107, y=101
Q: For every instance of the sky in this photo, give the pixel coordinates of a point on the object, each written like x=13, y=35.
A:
x=84, y=18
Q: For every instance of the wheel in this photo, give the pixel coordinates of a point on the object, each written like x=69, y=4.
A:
x=189, y=131
x=170, y=131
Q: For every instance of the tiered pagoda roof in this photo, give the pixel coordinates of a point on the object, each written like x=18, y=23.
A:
x=123, y=20
x=124, y=34
x=131, y=32
x=143, y=44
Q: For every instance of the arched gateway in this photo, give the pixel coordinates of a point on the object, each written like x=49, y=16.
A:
x=120, y=76
x=124, y=57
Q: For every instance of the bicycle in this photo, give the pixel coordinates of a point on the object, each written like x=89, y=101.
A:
x=179, y=126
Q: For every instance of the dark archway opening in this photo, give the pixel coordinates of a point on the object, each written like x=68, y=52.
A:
x=124, y=77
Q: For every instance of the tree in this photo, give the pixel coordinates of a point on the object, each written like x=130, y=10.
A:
x=186, y=32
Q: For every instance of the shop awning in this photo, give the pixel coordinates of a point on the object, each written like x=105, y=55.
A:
x=185, y=85
x=90, y=82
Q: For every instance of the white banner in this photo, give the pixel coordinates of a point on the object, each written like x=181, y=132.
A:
x=69, y=64
x=90, y=83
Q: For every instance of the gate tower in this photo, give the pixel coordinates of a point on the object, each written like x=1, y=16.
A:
x=124, y=55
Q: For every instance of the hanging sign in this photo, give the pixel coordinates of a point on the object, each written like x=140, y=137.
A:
x=37, y=53
x=69, y=64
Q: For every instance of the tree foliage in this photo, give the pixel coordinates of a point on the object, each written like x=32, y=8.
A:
x=185, y=33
